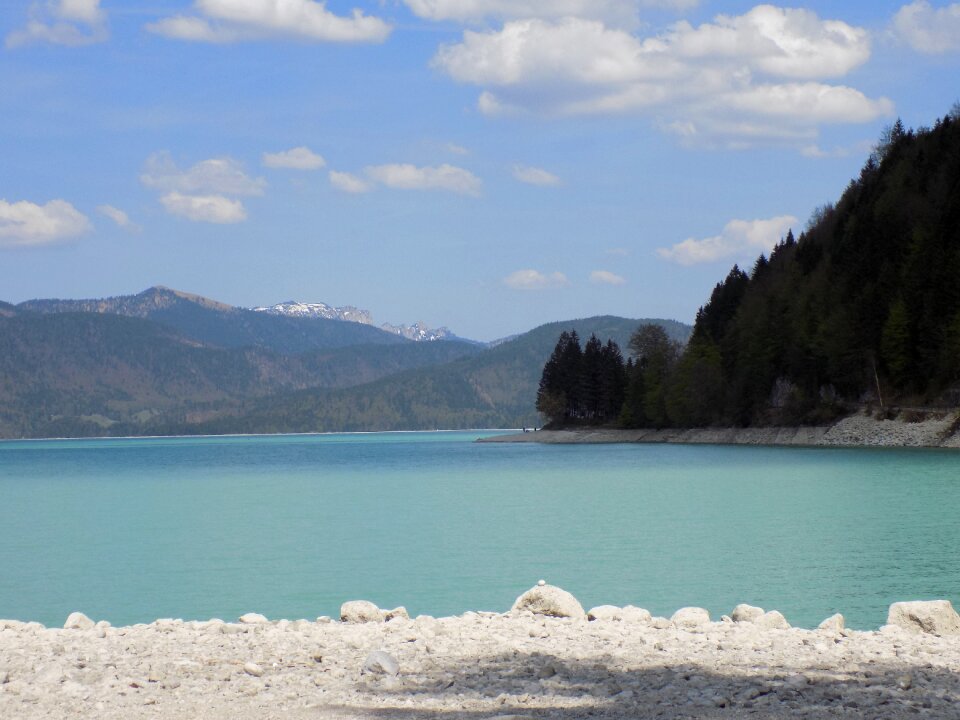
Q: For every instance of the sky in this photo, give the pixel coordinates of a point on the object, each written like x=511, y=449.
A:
x=487, y=165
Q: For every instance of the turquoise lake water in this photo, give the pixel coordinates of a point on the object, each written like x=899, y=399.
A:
x=291, y=526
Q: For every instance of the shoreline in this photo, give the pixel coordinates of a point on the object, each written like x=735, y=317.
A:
x=852, y=431
x=544, y=658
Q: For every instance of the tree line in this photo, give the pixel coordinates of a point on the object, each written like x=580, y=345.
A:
x=863, y=308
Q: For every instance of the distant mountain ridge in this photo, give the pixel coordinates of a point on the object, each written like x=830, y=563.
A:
x=217, y=324
x=418, y=332
x=166, y=362
x=292, y=308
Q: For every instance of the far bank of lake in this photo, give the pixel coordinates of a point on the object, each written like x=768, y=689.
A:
x=854, y=431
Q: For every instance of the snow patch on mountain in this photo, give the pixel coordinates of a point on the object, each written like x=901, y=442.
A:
x=418, y=332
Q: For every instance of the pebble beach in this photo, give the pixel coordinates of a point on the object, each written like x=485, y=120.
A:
x=544, y=658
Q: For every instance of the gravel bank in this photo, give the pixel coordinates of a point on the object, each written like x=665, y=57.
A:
x=853, y=431
x=521, y=664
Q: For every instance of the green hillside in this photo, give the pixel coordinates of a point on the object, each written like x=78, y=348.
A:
x=495, y=388
x=92, y=374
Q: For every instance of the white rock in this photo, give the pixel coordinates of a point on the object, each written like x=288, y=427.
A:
x=605, y=612
x=834, y=624
x=380, y=662
x=78, y=621
x=772, y=620
x=398, y=612
x=360, y=611
x=746, y=613
x=252, y=619
x=690, y=617
x=251, y=668
x=635, y=614
x=936, y=617
x=549, y=600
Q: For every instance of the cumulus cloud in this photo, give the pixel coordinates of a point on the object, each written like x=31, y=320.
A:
x=348, y=183
x=227, y=21
x=26, y=224
x=535, y=280
x=410, y=177
x=534, y=176
x=62, y=22
x=740, y=238
x=605, y=277
x=299, y=158
x=758, y=75
x=118, y=216
x=204, y=208
x=222, y=176
x=929, y=30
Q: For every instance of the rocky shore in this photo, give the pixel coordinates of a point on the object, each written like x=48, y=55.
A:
x=854, y=431
x=545, y=658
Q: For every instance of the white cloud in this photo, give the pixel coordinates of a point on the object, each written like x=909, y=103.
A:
x=299, y=158
x=456, y=149
x=929, y=30
x=348, y=183
x=754, y=76
x=411, y=177
x=204, y=208
x=221, y=176
x=535, y=280
x=118, y=216
x=740, y=238
x=26, y=224
x=62, y=22
x=605, y=277
x=235, y=20
x=534, y=176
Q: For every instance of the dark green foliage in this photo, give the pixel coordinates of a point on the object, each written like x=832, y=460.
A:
x=865, y=303
x=582, y=386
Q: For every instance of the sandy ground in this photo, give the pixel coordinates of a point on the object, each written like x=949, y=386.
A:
x=853, y=431
x=478, y=666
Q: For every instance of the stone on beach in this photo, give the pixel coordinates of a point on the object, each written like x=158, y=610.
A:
x=252, y=619
x=936, y=617
x=360, y=611
x=78, y=621
x=251, y=668
x=772, y=620
x=628, y=613
x=690, y=617
x=746, y=613
x=397, y=612
x=834, y=623
x=549, y=600
x=380, y=662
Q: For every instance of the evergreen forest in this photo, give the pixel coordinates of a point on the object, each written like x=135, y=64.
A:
x=861, y=310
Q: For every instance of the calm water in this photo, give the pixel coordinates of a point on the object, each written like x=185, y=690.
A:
x=291, y=526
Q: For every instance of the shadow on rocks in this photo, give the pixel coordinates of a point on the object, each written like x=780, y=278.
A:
x=542, y=686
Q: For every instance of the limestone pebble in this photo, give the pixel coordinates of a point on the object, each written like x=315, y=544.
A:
x=929, y=616
x=549, y=600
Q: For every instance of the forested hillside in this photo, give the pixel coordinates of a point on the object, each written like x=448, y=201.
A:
x=494, y=388
x=863, y=308
x=75, y=374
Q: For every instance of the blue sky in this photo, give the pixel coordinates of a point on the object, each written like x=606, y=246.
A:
x=488, y=165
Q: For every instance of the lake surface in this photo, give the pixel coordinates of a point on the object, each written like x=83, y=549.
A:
x=291, y=526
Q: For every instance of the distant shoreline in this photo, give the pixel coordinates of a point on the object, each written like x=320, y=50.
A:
x=853, y=431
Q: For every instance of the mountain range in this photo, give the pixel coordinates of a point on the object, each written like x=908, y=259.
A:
x=169, y=362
